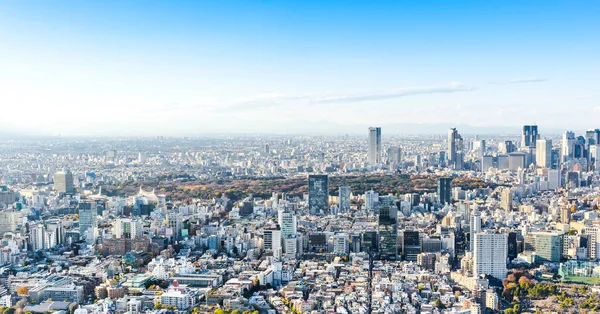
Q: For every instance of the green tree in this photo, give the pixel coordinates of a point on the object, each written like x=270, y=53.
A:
x=9, y=310
x=439, y=304
x=219, y=311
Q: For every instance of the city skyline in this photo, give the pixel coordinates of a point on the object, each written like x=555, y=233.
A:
x=139, y=68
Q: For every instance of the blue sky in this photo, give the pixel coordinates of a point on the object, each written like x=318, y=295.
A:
x=194, y=67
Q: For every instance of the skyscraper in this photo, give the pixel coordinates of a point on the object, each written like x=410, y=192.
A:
x=411, y=245
x=374, y=145
x=394, y=156
x=387, y=235
x=489, y=254
x=567, y=146
x=344, y=199
x=543, y=153
x=88, y=225
x=475, y=227
x=444, y=190
x=592, y=137
x=529, y=136
x=63, y=181
x=455, y=150
x=318, y=193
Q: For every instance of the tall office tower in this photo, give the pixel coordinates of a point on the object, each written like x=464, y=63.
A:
x=344, y=198
x=512, y=246
x=267, y=149
x=506, y=199
x=593, y=234
x=63, y=181
x=592, y=137
x=54, y=233
x=444, y=190
x=489, y=254
x=374, y=145
x=36, y=236
x=340, y=244
x=142, y=158
x=318, y=193
x=543, y=153
x=565, y=215
x=567, y=146
x=387, y=235
x=111, y=156
x=594, y=157
x=272, y=239
x=455, y=150
x=371, y=200
x=529, y=136
x=287, y=223
x=411, y=245
x=479, y=147
x=129, y=228
x=475, y=227
x=88, y=225
x=506, y=147
x=394, y=156
x=175, y=224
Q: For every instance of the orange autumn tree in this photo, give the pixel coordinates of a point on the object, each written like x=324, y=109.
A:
x=22, y=290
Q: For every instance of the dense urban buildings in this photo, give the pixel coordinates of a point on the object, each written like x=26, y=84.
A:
x=231, y=224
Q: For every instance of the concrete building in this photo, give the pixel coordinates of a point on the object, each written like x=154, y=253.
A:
x=490, y=254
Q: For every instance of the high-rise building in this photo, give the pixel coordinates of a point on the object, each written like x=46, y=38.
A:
x=506, y=199
x=593, y=235
x=506, y=147
x=547, y=246
x=592, y=137
x=63, y=181
x=387, y=235
x=565, y=215
x=455, y=150
x=444, y=190
x=529, y=136
x=374, y=145
x=318, y=193
x=287, y=223
x=394, y=156
x=88, y=225
x=371, y=200
x=567, y=146
x=543, y=153
x=411, y=246
x=272, y=239
x=489, y=254
x=175, y=224
x=340, y=244
x=130, y=228
x=475, y=227
x=344, y=198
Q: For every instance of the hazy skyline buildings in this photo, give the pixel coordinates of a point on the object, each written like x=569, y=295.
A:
x=455, y=149
x=374, y=145
x=543, y=153
x=529, y=136
x=63, y=181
